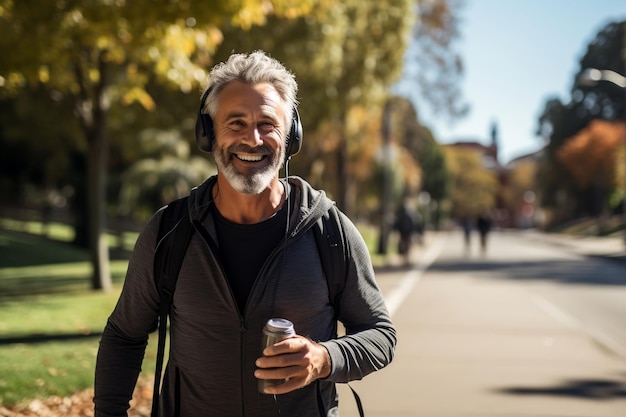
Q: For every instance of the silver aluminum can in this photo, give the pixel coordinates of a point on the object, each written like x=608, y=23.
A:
x=275, y=330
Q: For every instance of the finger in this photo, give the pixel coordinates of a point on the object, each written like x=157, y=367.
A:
x=290, y=384
x=277, y=373
x=290, y=345
x=281, y=360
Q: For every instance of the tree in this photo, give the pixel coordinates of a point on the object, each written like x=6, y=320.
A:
x=567, y=130
x=168, y=172
x=557, y=189
x=589, y=156
x=433, y=68
x=519, y=192
x=607, y=51
x=426, y=152
x=405, y=131
x=473, y=188
x=345, y=55
x=35, y=145
x=592, y=157
x=101, y=53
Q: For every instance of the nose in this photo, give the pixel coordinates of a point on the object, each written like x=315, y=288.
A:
x=252, y=136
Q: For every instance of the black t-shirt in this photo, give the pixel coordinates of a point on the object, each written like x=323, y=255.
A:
x=243, y=249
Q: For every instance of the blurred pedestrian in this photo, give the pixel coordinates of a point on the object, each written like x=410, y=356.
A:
x=466, y=224
x=408, y=223
x=483, y=225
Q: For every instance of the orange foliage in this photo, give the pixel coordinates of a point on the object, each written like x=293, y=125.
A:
x=590, y=156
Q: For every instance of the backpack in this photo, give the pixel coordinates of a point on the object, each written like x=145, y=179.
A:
x=173, y=239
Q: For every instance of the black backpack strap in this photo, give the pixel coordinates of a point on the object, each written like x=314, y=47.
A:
x=332, y=247
x=175, y=232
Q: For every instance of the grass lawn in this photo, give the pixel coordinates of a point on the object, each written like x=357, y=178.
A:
x=50, y=320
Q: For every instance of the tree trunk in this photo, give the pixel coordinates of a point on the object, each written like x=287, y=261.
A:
x=96, y=205
x=92, y=107
x=386, y=213
x=79, y=199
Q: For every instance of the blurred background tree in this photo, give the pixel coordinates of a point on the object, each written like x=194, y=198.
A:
x=99, y=105
x=112, y=88
x=581, y=166
x=520, y=191
x=345, y=55
x=426, y=170
x=166, y=171
x=354, y=52
x=100, y=100
x=433, y=67
x=473, y=186
x=98, y=55
x=110, y=70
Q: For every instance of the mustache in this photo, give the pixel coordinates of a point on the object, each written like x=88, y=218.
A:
x=242, y=148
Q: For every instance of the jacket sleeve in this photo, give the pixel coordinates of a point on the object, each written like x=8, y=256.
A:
x=125, y=335
x=370, y=340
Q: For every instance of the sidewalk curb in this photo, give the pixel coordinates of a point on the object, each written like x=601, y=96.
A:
x=609, y=248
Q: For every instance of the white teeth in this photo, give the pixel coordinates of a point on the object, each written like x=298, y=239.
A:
x=250, y=158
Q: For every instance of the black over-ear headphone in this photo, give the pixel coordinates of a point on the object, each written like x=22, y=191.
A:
x=205, y=136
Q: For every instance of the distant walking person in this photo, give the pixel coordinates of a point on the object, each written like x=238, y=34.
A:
x=408, y=222
x=466, y=223
x=483, y=224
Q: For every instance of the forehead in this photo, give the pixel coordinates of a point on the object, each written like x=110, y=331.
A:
x=238, y=96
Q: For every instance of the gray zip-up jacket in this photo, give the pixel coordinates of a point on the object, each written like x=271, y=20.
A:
x=213, y=345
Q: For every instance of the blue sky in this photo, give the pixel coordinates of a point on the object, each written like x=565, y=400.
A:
x=518, y=53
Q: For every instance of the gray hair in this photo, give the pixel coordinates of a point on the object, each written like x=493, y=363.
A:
x=254, y=68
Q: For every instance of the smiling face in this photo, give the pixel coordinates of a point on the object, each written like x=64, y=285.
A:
x=250, y=132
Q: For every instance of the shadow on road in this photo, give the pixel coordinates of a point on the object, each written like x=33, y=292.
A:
x=597, y=389
x=583, y=271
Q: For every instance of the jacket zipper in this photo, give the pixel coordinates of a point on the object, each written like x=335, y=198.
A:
x=270, y=259
x=212, y=246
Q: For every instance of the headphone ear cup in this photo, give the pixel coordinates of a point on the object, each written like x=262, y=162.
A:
x=294, y=140
x=204, y=132
x=204, y=126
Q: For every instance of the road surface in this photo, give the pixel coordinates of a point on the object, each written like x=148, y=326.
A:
x=526, y=329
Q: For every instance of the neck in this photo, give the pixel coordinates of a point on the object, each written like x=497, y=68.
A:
x=248, y=208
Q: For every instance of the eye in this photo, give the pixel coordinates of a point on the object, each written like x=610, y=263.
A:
x=236, y=124
x=266, y=127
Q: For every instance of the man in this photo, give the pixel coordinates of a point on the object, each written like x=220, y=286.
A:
x=253, y=257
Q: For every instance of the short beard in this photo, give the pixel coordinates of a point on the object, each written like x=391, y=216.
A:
x=255, y=182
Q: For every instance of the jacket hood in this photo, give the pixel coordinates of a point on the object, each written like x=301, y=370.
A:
x=310, y=204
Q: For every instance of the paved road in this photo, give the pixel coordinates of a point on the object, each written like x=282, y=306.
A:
x=530, y=329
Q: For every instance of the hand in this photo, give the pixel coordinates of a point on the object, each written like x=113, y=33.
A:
x=297, y=359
